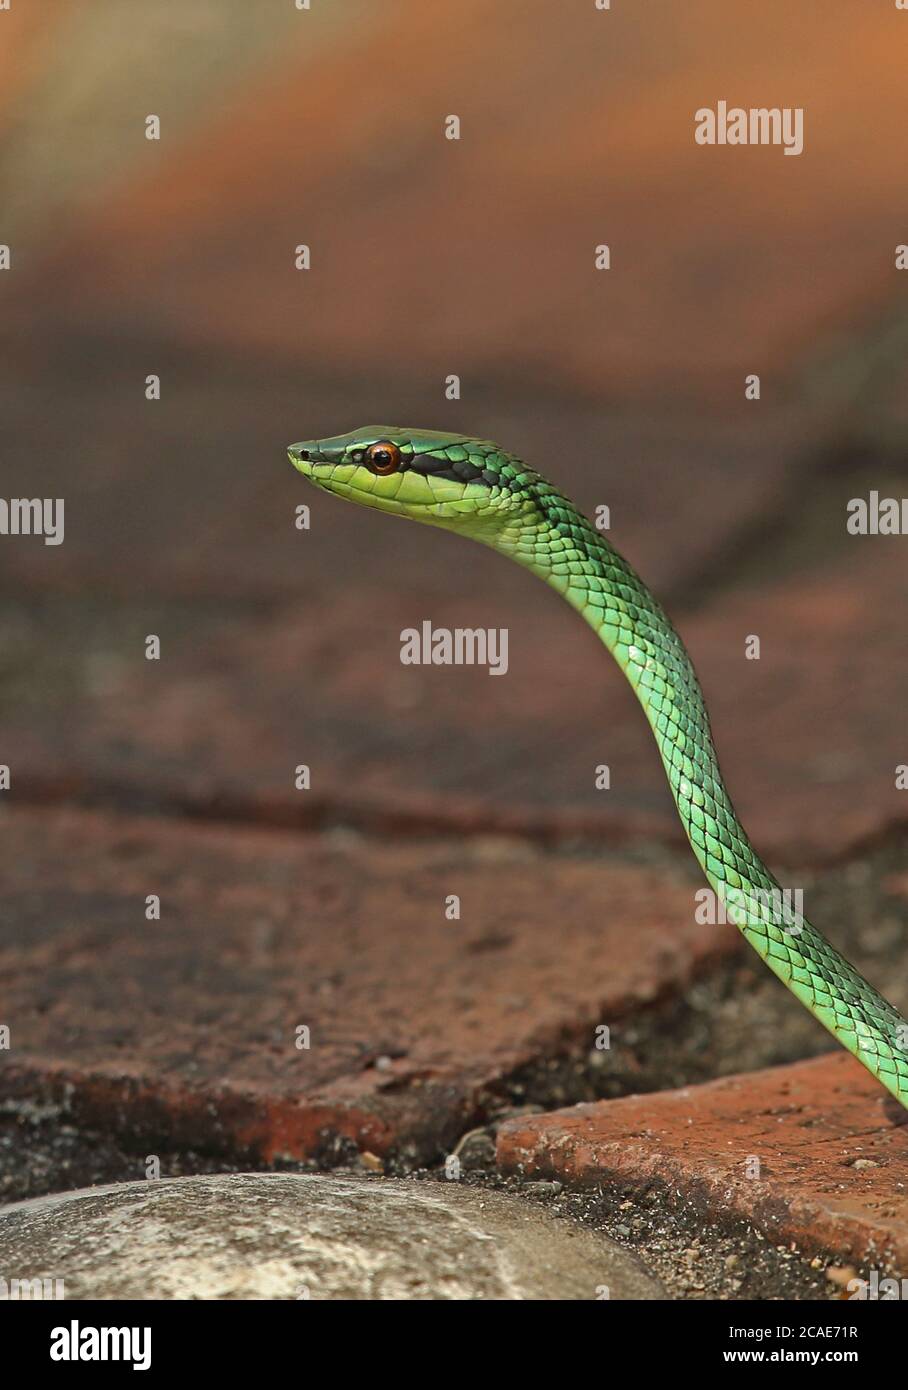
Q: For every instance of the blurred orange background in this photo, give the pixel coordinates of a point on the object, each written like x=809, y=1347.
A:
x=325, y=127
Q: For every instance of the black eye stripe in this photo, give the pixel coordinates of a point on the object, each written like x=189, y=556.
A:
x=468, y=470
x=471, y=469
x=462, y=471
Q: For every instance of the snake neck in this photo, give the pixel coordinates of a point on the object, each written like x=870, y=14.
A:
x=562, y=547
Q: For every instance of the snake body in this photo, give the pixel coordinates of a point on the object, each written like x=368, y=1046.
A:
x=474, y=487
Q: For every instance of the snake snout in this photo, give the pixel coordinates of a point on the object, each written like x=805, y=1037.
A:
x=303, y=456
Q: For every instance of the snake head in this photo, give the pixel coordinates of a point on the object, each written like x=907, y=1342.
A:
x=442, y=479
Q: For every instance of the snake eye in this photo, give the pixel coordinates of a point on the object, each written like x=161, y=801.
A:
x=383, y=457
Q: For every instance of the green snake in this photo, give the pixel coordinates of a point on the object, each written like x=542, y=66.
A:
x=473, y=487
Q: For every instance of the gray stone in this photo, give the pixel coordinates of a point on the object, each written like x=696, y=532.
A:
x=290, y=1236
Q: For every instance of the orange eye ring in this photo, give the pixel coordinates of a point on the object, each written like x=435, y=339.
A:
x=383, y=457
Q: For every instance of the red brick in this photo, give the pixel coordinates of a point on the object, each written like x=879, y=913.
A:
x=832, y=1150
x=182, y=1031
x=809, y=736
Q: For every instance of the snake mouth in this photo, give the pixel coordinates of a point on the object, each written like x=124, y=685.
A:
x=314, y=465
x=334, y=475
x=304, y=457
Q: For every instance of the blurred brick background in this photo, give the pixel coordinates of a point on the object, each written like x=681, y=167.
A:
x=281, y=126
x=431, y=257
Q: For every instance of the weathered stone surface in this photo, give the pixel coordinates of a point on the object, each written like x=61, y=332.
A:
x=814, y=1153
x=183, y=1031
x=286, y=1236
